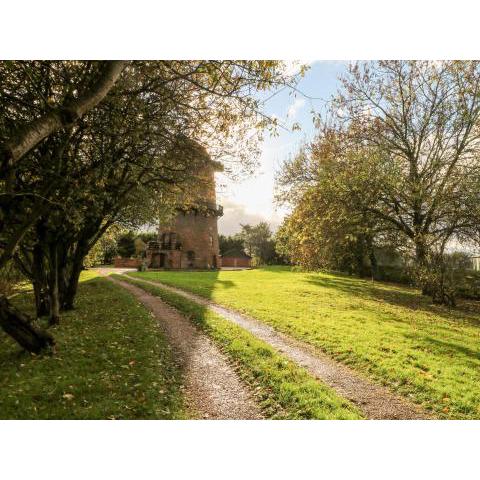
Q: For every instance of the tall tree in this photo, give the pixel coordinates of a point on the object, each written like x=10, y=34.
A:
x=327, y=227
x=232, y=244
x=410, y=145
x=422, y=120
x=258, y=242
x=128, y=150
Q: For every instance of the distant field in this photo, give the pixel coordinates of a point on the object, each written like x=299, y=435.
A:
x=391, y=333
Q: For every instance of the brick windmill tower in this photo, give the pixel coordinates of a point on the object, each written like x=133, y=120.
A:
x=190, y=240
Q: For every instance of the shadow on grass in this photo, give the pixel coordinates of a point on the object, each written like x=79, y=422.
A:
x=198, y=281
x=283, y=389
x=204, y=284
x=111, y=362
x=396, y=295
x=453, y=349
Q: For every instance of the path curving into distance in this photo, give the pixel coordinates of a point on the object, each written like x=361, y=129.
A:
x=213, y=390
x=375, y=401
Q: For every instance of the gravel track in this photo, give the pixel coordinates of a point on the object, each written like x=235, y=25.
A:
x=212, y=388
x=375, y=401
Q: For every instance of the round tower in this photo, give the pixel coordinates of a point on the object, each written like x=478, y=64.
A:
x=190, y=241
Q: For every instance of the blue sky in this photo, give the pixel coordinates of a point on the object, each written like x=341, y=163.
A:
x=251, y=200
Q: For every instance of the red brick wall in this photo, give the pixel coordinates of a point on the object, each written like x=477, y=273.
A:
x=196, y=229
x=236, y=262
x=120, y=262
x=199, y=234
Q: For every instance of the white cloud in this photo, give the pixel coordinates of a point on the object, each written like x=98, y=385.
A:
x=298, y=104
x=235, y=214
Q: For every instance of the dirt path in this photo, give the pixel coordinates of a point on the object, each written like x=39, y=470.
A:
x=213, y=390
x=376, y=402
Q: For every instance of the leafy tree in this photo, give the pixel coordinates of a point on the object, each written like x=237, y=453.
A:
x=258, y=243
x=421, y=118
x=232, y=243
x=148, y=236
x=407, y=152
x=37, y=99
x=326, y=228
x=126, y=245
x=62, y=189
x=78, y=87
x=140, y=247
x=105, y=250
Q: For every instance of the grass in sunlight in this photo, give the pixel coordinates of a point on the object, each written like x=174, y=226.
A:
x=285, y=390
x=428, y=353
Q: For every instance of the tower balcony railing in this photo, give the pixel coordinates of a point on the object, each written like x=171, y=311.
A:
x=202, y=206
x=154, y=245
x=171, y=246
x=218, y=210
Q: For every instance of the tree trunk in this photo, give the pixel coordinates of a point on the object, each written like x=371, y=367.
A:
x=359, y=255
x=72, y=286
x=373, y=261
x=39, y=282
x=76, y=267
x=62, y=262
x=42, y=307
x=420, y=253
x=20, y=328
x=421, y=263
x=53, y=287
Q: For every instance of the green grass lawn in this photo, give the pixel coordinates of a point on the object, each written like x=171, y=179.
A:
x=391, y=333
x=111, y=362
x=284, y=390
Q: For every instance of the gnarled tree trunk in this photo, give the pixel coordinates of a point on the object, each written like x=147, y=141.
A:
x=72, y=286
x=53, y=291
x=39, y=282
x=373, y=258
x=21, y=328
x=76, y=266
x=421, y=258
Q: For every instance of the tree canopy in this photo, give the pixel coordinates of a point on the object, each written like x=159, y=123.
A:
x=396, y=159
x=86, y=145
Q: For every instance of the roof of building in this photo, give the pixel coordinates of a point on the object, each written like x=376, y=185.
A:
x=235, y=253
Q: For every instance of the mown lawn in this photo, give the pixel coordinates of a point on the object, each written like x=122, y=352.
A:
x=284, y=390
x=111, y=362
x=391, y=333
